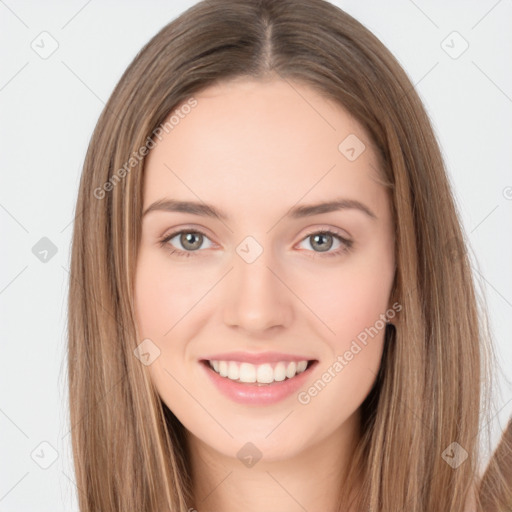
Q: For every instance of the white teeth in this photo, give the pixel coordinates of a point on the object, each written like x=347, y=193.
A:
x=233, y=371
x=291, y=369
x=263, y=373
x=247, y=372
x=301, y=366
x=223, y=368
x=280, y=372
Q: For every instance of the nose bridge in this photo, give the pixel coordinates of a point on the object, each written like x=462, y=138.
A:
x=255, y=299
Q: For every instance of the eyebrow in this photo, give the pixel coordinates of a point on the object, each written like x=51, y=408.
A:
x=297, y=212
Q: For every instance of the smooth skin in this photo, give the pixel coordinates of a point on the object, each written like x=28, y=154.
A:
x=255, y=149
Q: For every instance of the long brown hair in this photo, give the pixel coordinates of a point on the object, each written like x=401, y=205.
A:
x=424, y=410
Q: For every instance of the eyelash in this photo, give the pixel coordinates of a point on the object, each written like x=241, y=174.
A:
x=345, y=248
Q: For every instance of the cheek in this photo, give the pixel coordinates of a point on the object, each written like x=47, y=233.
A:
x=152, y=301
x=354, y=309
x=351, y=300
x=163, y=293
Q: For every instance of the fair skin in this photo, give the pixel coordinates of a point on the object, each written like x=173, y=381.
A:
x=254, y=150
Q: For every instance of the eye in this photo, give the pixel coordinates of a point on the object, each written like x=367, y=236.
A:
x=322, y=242
x=189, y=240
x=192, y=240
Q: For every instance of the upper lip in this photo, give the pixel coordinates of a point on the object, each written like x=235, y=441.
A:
x=257, y=358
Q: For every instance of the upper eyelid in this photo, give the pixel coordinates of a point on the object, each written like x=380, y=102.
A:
x=205, y=231
x=171, y=233
x=325, y=229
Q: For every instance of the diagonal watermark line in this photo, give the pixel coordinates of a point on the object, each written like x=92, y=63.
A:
x=424, y=14
x=14, y=76
x=199, y=403
x=73, y=482
x=312, y=187
x=286, y=491
x=200, y=299
x=13, y=13
x=492, y=211
x=14, y=423
x=85, y=85
x=76, y=14
x=14, y=218
x=485, y=15
x=279, y=423
x=216, y=487
x=13, y=279
x=71, y=221
x=482, y=276
x=14, y=485
x=492, y=81
x=418, y=82
x=494, y=416
x=300, y=300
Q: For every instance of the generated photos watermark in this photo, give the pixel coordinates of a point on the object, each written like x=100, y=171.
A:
x=361, y=340
x=137, y=156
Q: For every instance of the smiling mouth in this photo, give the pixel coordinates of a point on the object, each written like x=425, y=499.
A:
x=265, y=374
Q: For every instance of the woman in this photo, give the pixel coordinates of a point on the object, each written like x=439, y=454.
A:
x=271, y=304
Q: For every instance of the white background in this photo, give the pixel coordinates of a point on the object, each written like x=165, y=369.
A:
x=49, y=108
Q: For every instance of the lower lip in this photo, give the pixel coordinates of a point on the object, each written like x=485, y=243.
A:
x=251, y=393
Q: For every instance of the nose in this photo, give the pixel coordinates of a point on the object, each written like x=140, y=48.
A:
x=256, y=300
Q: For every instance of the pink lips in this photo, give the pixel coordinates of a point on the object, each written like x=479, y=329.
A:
x=254, y=393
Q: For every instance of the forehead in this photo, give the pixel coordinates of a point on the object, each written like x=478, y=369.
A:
x=250, y=143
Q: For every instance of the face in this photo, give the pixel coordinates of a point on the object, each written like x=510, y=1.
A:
x=256, y=278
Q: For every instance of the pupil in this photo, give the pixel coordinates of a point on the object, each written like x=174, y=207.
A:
x=187, y=240
x=323, y=246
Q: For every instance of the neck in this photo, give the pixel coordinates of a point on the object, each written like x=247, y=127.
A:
x=312, y=479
